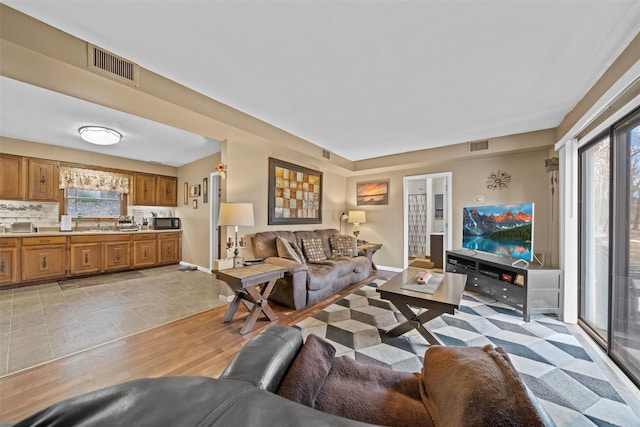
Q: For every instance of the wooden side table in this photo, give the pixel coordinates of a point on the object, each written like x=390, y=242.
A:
x=252, y=286
x=368, y=249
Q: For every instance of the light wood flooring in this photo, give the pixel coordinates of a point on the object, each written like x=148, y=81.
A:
x=197, y=345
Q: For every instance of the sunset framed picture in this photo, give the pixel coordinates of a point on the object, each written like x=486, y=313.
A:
x=372, y=193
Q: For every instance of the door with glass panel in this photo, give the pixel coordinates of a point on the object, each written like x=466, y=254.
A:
x=595, y=210
x=624, y=344
x=610, y=242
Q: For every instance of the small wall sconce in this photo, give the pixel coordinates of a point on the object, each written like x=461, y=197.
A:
x=498, y=180
x=222, y=170
x=343, y=217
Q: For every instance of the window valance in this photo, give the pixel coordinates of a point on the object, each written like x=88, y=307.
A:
x=86, y=179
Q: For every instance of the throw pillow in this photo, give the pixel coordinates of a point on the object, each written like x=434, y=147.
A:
x=289, y=250
x=313, y=250
x=341, y=245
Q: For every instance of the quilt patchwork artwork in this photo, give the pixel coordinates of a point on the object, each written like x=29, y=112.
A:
x=548, y=357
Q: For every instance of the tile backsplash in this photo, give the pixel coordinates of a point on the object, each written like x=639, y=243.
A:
x=47, y=214
x=41, y=214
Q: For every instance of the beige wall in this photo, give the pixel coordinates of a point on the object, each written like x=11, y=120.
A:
x=247, y=181
x=196, y=227
x=529, y=183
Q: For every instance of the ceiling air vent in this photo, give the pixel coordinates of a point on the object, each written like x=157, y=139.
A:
x=326, y=154
x=478, y=146
x=110, y=65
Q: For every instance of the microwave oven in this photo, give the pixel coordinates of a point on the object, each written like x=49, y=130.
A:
x=166, y=223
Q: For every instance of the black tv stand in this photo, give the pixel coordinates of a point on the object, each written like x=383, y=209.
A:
x=526, y=287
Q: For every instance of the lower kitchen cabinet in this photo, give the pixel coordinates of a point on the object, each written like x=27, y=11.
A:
x=86, y=254
x=144, y=250
x=8, y=261
x=117, y=253
x=43, y=258
x=169, y=248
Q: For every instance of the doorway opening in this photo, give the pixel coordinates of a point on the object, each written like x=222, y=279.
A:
x=214, y=206
x=427, y=215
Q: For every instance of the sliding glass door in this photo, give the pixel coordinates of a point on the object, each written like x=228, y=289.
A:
x=625, y=292
x=610, y=242
x=595, y=188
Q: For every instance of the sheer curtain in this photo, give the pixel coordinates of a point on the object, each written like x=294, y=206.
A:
x=417, y=225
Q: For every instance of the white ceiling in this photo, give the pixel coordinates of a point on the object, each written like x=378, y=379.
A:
x=359, y=78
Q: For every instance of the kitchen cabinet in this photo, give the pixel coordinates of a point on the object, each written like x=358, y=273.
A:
x=43, y=258
x=85, y=254
x=52, y=256
x=43, y=180
x=144, y=189
x=8, y=261
x=169, y=248
x=117, y=252
x=155, y=190
x=167, y=191
x=144, y=250
x=12, y=177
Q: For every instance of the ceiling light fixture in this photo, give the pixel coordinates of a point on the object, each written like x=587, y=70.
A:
x=99, y=135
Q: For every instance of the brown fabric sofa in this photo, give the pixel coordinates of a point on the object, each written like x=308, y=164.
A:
x=310, y=282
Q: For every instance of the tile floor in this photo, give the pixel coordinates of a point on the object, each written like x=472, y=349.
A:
x=43, y=322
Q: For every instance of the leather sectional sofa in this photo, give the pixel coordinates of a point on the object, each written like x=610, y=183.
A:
x=245, y=395
x=307, y=283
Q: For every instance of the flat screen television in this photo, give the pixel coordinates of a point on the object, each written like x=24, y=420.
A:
x=505, y=230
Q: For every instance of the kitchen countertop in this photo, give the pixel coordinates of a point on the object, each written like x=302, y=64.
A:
x=80, y=233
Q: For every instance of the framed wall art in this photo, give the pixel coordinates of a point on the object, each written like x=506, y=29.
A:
x=372, y=193
x=205, y=190
x=295, y=194
x=194, y=190
x=186, y=193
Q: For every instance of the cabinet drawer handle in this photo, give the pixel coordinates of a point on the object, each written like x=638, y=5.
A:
x=44, y=262
x=86, y=258
x=43, y=180
x=2, y=267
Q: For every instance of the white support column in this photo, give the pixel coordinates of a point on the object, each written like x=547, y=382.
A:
x=569, y=250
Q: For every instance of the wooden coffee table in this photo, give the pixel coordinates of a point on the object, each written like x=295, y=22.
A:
x=445, y=300
x=252, y=286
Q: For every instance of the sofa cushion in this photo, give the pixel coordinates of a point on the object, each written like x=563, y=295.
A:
x=264, y=243
x=473, y=386
x=342, y=245
x=313, y=250
x=344, y=387
x=289, y=250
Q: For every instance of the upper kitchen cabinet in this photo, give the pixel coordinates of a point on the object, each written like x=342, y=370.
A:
x=167, y=191
x=43, y=180
x=12, y=177
x=153, y=190
x=144, y=189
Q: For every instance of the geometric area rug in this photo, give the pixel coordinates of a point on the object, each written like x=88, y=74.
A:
x=549, y=359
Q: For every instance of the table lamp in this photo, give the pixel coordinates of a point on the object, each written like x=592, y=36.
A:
x=356, y=218
x=237, y=215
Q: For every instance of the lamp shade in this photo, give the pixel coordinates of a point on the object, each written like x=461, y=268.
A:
x=357, y=217
x=238, y=214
